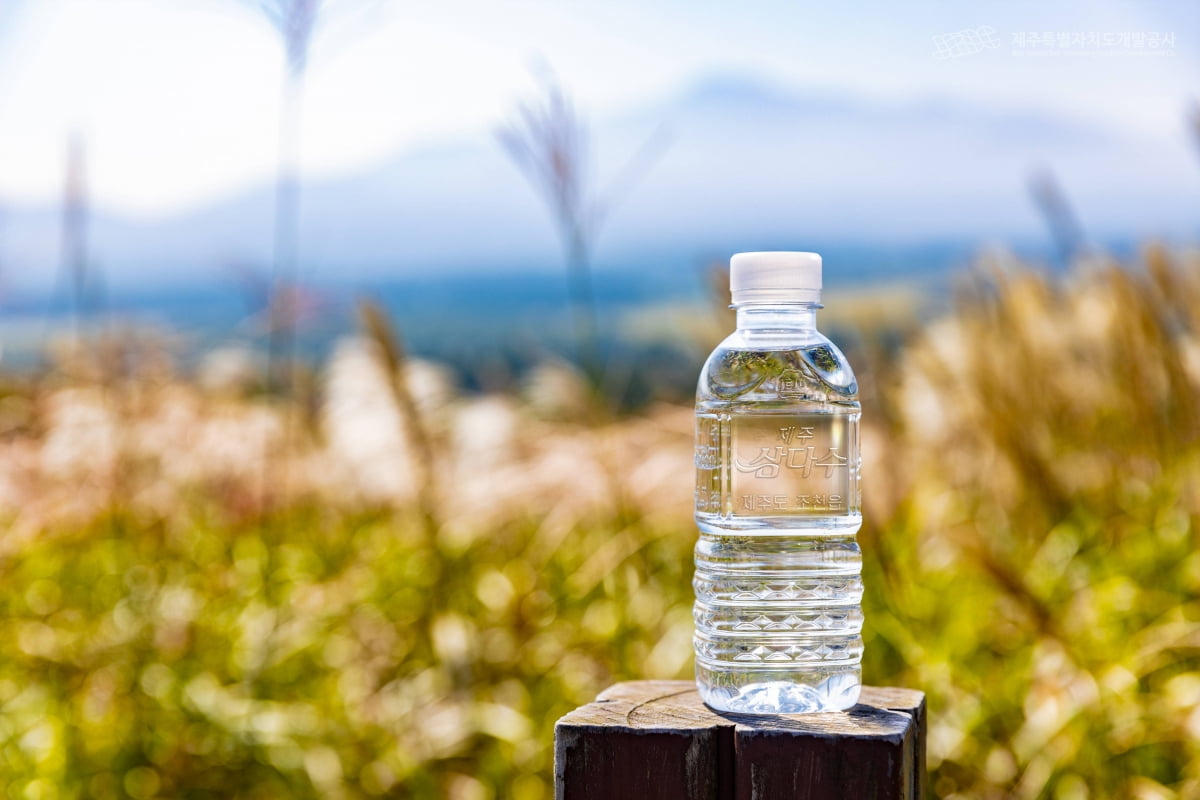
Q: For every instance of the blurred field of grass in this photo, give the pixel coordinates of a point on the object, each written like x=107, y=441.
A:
x=212, y=594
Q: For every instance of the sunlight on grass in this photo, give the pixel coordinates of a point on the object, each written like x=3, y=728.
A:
x=209, y=593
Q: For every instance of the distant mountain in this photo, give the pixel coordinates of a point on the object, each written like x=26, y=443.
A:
x=749, y=165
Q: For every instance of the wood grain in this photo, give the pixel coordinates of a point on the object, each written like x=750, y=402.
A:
x=656, y=739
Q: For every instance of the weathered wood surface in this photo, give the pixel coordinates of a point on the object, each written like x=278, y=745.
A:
x=656, y=739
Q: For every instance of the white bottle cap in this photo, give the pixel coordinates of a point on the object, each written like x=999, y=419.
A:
x=784, y=277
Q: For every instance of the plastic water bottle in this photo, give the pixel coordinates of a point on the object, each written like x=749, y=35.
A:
x=778, y=571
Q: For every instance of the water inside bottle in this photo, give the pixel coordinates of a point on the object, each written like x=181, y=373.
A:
x=778, y=571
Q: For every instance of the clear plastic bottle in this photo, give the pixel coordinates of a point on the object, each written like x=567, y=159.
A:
x=778, y=571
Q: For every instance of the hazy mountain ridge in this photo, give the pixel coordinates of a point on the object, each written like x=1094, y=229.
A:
x=749, y=164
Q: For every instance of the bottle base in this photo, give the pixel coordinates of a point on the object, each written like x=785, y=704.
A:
x=773, y=693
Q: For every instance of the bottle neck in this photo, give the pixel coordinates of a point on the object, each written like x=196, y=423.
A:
x=777, y=316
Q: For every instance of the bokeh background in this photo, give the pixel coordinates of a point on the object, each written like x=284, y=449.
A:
x=347, y=350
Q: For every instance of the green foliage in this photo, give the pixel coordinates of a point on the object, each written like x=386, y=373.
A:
x=319, y=654
x=1033, y=564
x=1033, y=500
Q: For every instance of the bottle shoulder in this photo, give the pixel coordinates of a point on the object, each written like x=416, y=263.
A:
x=756, y=367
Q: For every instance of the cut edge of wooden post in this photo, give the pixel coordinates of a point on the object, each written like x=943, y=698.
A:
x=601, y=748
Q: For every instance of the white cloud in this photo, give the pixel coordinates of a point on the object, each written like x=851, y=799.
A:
x=178, y=99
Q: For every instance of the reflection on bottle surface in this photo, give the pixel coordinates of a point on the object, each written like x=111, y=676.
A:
x=778, y=572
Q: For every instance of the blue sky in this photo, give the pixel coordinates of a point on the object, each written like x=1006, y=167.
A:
x=178, y=98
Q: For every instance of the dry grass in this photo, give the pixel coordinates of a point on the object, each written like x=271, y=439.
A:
x=171, y=629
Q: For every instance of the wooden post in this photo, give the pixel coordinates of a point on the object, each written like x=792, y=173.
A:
x=656, y=739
